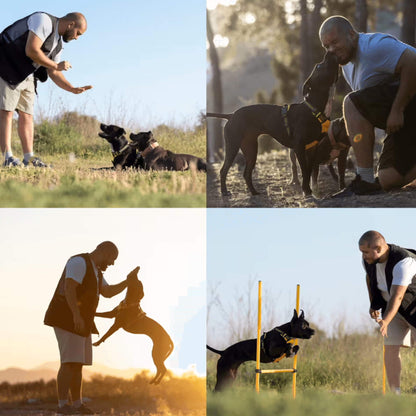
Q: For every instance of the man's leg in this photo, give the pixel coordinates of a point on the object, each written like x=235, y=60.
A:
x=26, y=132
x=361, y=135
x=76, y=384
x=6, y=122
x=393, y=366
x=63, y=381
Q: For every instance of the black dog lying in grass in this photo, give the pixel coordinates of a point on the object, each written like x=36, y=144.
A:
x=144, y=152
x=155, y=157
x=275, y=344
x=124, y=154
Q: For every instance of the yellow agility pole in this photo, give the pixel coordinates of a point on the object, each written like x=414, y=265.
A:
x=258, y=369
x=295, y=358
x=384, y=369
x=258, y=340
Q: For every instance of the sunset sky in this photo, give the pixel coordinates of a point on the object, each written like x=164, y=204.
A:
x=168, y=245
x=145, y=60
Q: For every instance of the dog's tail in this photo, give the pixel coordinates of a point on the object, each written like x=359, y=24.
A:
x=214, y=350
x=220, y=115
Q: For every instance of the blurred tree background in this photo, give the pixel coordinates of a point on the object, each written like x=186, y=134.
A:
x=261, y=51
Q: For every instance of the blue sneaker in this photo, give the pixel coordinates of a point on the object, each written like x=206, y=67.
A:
x=36, y=162
x=12, y=162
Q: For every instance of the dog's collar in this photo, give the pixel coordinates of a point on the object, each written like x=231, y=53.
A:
x=149, y=148
x=118, y=153
x=322, y=118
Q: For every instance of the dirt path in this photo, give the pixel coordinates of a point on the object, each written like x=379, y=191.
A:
x=271, y=177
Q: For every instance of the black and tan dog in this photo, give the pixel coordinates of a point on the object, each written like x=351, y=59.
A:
x=130, y=316
x=335, y=145
x=298, y=126
x=275, y=344
x=124, y=154
x=155, y=157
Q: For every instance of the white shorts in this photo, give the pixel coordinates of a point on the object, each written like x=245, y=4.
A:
x=73, y=348
x=18, y=97
x=400, y=332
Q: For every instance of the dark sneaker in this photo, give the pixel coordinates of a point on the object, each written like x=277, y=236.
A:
x=36, y=162
x=12, y=162
x=65, y=410
x=84, y=410
x=359, y=187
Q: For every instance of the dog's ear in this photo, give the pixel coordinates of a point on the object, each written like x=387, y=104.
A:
x=123, y=131
x=295, y=315
x=302, y=314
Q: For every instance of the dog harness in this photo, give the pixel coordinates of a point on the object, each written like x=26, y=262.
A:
x=118, y=153
x=287, y=339
x=325, y=122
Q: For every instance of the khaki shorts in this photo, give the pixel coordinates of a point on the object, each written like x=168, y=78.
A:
x=400, y=332
x=18, y=97
x=73, y=348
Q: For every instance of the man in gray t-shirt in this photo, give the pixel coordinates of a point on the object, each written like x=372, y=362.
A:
x=28, y=44
x=380, y=70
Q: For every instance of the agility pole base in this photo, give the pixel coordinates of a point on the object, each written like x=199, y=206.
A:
x=295, y=358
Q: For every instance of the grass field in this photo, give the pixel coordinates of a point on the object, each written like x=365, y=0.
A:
x=77, y=179
x=182, y=396
x=338, y=375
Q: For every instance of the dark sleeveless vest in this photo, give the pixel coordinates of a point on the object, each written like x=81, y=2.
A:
x=15, y=65
x=59, y=314
x=408, y=306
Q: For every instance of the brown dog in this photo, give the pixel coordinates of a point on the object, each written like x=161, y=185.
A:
x=130, y=316
x=155, y=157
x=298, y=126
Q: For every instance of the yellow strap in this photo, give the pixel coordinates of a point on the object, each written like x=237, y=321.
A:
x=325, y=126
x=310, y=145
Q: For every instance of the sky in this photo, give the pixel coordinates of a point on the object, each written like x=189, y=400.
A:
x=168, y=245
x=316, y=248
x=145, y=60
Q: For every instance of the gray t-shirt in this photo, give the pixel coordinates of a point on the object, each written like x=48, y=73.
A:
x=375, y=61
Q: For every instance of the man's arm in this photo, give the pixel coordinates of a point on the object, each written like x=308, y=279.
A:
x=393, y=305
x=406, y=69
x=109, y=291
x=71, y=297
x=373, y=313
x=34, y=52
x=59, y=79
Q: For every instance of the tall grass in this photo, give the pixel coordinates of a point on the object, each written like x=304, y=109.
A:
x=70, y=142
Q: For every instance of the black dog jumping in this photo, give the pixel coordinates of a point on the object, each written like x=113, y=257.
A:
x=155, y=157
x=274, y=344
x=298, y=126
x=130, y=316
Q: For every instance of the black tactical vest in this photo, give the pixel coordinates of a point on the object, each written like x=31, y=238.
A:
x=59, y=314
x=408, y=306
x=15, y=65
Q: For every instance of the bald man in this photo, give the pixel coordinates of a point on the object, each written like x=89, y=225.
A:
x=30, y=50
x=71, y=314
x=391, y=283
x=380, y=71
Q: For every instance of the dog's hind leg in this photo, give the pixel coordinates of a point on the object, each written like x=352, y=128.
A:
x=232, y=141
x=249, y=148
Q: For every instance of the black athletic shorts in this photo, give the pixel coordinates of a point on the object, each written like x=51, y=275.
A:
x=399, y=149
